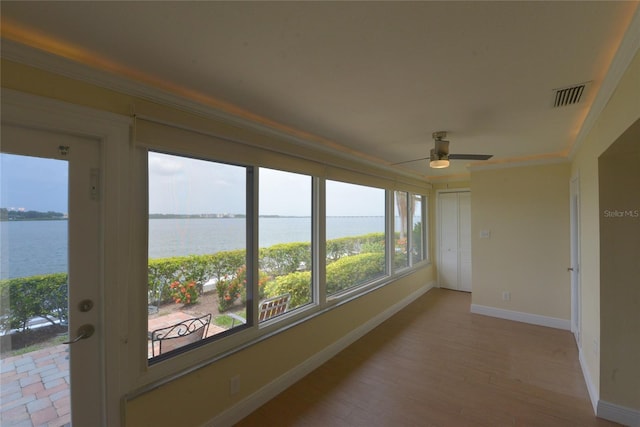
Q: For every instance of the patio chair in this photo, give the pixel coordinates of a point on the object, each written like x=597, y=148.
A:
x=179, y=334
x=268, y=309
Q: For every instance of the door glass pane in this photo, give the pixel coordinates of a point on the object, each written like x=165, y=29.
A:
x=197, y=250
x=355, y=235
x=33, y=291
x=285, y=242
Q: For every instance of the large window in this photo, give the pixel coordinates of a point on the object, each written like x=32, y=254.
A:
x=355, y=233
x=197, y=250
x=285, y=234
x=205, y=279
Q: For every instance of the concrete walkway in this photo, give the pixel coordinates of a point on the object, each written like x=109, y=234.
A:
x=34, y=389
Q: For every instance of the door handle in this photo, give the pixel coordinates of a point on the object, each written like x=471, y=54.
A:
x=84, y=332
x=570, y=269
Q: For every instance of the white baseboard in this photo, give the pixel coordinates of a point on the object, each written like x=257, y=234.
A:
x=619, y=414
x=591, y=388
x=518, y=316
x=252, y=402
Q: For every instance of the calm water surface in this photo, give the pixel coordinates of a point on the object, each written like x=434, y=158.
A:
x=40, y=247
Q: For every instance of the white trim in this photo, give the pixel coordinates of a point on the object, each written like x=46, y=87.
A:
x=575, y=260
x=252, y=402
x=44, y=113
x=519, y=316
x=619, y=414
x=113, y=132
x=591, y=388
x=626, y=52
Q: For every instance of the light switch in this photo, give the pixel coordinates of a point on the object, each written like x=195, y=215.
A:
x=485, y=234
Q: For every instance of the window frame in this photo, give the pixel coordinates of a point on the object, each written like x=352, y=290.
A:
x=424, y=214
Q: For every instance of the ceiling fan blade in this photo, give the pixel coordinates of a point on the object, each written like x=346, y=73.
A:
x=409, y=161
x=470, y=156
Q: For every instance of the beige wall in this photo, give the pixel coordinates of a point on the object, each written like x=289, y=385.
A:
x=620, y=112
x=619, y=179
x=526, y=210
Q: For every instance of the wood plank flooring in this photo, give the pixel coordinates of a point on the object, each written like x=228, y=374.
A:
x=436, y=364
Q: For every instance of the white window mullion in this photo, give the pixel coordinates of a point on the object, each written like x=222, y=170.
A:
x=319, y=241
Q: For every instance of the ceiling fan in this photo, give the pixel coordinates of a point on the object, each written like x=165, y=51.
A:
x=439, y=156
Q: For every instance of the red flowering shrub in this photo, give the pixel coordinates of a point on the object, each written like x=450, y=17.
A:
x=185, y=294
x=230, y=290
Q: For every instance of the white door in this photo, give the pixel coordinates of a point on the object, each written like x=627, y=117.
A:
x=70, y=162
x=454, y=240
x=448, y=240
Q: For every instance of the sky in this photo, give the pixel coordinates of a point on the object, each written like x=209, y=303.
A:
x=179, y=185
x=33, y=183
x=191, y=186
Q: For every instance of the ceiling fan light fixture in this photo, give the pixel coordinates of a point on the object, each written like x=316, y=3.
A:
x=438, y=160
x=439, y=163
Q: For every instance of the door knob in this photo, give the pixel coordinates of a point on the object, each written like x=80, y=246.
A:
x=570, y=269
x=84, y=332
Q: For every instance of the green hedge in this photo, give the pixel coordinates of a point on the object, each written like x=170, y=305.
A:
x=354, y=270
x=297, y=284
x=342, y=274
x=348, y=246
x=287, y=263
x=284, y=258
x=24, y=298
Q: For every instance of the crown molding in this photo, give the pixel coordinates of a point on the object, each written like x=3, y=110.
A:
x=627, y=50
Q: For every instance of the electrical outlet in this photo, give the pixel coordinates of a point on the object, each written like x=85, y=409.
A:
x=506, y=296
x=234, y=385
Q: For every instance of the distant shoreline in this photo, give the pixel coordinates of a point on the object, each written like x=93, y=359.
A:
x=32, y=219
x=12, y=214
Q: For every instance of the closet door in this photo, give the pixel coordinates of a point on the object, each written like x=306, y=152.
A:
x=454, y=240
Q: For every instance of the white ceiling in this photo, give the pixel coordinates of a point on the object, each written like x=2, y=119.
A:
x=376, y=78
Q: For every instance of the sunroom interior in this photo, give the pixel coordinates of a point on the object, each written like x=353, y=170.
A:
x=352, y=93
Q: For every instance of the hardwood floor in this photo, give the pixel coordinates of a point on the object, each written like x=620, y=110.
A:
x=436, y=364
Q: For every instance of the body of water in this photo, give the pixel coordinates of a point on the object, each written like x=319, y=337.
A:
x=40, y=247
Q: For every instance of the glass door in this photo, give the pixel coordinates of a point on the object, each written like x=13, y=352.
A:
x=50, y=275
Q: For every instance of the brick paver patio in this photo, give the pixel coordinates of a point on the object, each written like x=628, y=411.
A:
x=34, y=389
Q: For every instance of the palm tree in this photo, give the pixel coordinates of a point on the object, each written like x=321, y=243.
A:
x=405, y=210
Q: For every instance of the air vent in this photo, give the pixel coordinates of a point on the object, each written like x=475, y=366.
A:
x=569, y=95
